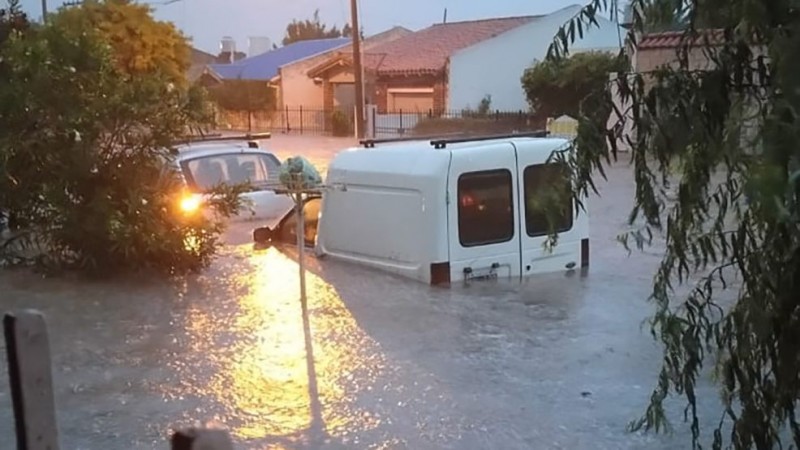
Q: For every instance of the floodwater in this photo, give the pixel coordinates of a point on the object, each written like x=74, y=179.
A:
x=375, y=362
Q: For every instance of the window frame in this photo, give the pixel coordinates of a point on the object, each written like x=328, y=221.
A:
x=512, y=213
x=525, y=193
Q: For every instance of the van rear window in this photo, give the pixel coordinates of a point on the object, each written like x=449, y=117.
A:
x=547, y=188
x=485, y=208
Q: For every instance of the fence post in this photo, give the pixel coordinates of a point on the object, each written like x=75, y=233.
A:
x=301, y=119
x=401, y=123
x=31, y=380
x=288, y=126
x=199, y=439
x=497, y=115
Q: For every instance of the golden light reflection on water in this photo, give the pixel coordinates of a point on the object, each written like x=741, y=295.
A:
x=262, y=375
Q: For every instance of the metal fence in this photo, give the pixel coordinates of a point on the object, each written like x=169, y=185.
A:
x=380, y=124
x=31, y=381
x=409, y=123
x=300, y=120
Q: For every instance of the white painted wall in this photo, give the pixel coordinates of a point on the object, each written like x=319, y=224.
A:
x=495, y=66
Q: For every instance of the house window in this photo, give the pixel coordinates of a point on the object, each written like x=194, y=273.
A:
x=485, y=208
x=547, y=186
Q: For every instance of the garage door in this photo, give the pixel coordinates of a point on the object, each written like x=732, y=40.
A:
x=411, y=101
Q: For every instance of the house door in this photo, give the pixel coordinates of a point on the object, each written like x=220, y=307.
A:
x=484, y=219
x=538, y=179
x=344, y=97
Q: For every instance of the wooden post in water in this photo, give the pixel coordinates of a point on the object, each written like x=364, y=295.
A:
x=31, y=379
x=198, y=439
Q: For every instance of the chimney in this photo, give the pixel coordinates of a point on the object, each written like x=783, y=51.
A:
x=228, y=47
x=258, y=45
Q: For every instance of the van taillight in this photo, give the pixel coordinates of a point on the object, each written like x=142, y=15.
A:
x=440, y=273
x=585, y=252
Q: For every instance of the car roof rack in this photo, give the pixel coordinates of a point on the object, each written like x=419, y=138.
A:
x=370, y=143
x=222, y=138
x=442, y=143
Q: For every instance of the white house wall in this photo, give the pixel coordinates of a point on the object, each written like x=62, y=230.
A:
x=495, y=66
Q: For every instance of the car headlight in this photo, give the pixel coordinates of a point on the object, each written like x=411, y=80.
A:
x=191, y=203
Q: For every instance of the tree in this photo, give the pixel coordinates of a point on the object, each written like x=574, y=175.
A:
x=727, y=139
x=12, y=19
x=659, y=15
x=141, y=44
x=244, y=95
x=559, y=86
x=313, y=29
x=85, y=160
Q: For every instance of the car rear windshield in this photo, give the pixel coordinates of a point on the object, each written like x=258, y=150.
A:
x=206, y=172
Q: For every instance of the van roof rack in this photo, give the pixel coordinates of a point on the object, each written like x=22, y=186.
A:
x=370, y=143
x=217, y=137
x=442, y=143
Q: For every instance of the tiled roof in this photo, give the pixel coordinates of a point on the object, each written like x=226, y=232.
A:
x=674, y=39
x=427, y=50
x=200, y=57
x=265, y=66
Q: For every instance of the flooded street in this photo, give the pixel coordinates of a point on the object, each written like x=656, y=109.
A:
x=555, y=362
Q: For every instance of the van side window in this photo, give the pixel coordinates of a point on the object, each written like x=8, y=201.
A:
x=547, y=185
x=485, y=208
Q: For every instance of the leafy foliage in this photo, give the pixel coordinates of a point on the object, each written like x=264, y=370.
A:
x=141, y=44
x=725, y=139
x=85, y=160
x=313, y=28
x=556, y=87
x=341, y=123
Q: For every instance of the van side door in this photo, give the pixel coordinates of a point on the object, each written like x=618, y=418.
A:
x=483, y=216
x=538, y=179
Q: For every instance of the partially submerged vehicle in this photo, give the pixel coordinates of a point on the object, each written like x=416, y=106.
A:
x=443, y=211
x=208, y=162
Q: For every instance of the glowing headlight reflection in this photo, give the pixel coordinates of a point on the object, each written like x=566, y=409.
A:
x=191, y=203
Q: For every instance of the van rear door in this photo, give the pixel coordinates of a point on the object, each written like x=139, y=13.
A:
x=483, y=216
x=537, y=179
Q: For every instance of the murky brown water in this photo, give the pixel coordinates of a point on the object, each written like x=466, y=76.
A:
x=377, y=362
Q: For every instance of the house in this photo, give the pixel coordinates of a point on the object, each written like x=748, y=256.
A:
x=494, y=67
x=286, y=68
x=410, y=73
x=657, y=50
x=264, y=67
x=452, y=66
x=300, y=90
x=198, y=61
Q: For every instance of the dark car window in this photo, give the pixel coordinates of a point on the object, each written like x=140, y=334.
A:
x=485, y=208
x=236, y=168
x=543, y=181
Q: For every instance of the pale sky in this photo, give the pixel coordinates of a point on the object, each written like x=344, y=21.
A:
x=206, y=21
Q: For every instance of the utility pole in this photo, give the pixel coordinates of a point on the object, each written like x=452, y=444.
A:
x=44, y=11
x=357, y=71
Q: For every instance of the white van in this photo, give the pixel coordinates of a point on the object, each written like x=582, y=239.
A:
x=448, y=211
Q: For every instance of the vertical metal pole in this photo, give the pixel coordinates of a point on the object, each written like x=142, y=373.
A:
x=44, y=11
x=301, y=119
x=301, y=246
x=357, y=70
x=31, y=380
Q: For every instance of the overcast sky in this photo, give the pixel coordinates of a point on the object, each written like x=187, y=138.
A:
x=206, y=21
